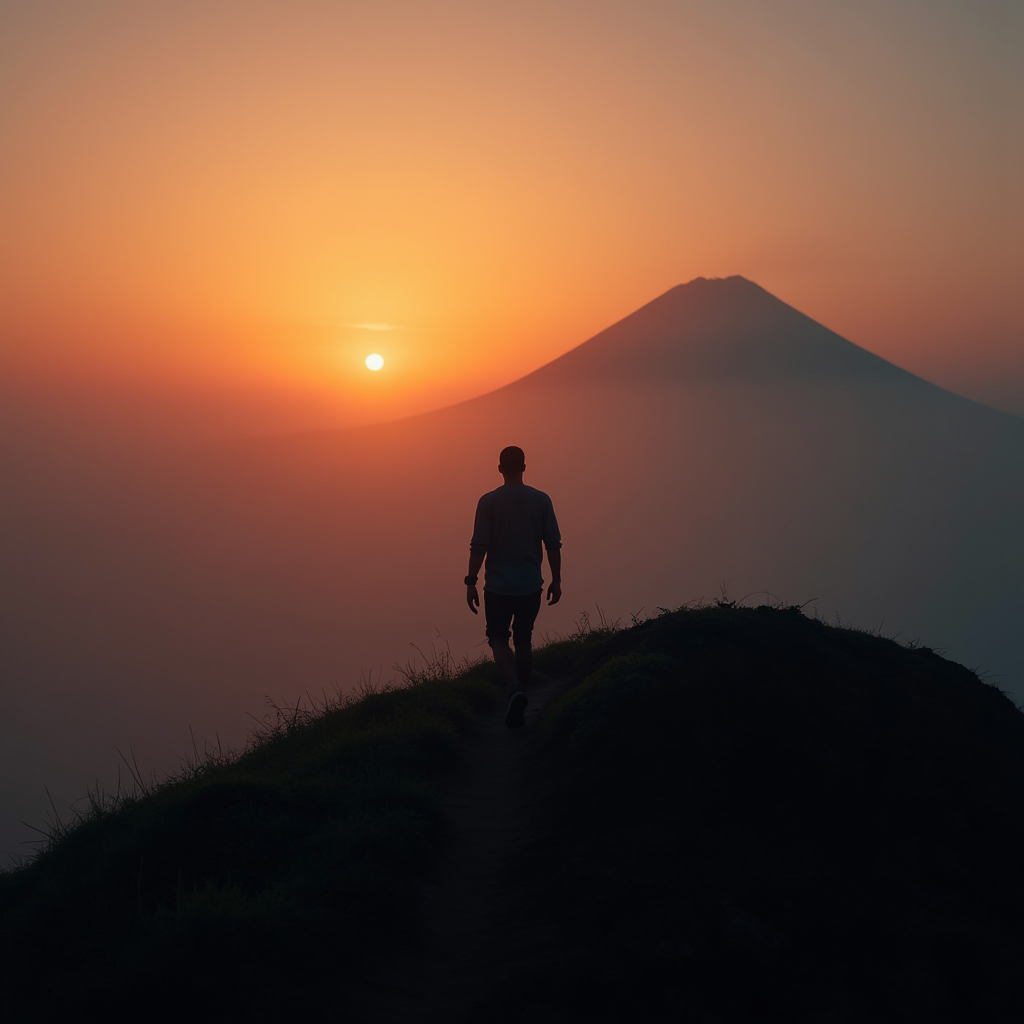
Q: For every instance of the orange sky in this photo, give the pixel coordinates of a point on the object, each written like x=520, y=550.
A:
x=203, y=198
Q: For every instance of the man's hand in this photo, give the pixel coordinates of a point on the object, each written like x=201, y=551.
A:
x=555, y=561
x=476, y=561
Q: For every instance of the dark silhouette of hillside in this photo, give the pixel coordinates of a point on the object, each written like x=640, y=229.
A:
x=749, y=815
x=719, y=814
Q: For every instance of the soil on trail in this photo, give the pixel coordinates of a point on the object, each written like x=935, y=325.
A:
x=475, y=934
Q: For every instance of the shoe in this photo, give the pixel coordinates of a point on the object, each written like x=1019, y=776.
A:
x=516, y=706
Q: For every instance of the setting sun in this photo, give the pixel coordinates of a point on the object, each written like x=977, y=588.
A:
x=374, y=362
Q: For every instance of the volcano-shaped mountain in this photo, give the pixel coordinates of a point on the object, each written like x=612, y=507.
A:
x=713, y=330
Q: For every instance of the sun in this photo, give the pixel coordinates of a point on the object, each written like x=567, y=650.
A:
x=374, y=362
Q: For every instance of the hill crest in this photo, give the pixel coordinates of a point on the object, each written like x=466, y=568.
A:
x=723, y=813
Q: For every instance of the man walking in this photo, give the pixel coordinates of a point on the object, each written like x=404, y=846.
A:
x=512, y=522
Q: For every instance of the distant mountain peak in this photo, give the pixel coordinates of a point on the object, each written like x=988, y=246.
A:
x=718, y=327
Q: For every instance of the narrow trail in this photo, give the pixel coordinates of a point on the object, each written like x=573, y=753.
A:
x=474, y=937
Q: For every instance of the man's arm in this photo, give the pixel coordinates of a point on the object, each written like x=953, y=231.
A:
x=476, y=560
x=555, y=587
x=478, y=551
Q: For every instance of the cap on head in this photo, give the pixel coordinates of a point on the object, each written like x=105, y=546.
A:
x=512, y=459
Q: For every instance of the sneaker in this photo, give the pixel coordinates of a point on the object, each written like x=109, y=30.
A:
x=516, y=706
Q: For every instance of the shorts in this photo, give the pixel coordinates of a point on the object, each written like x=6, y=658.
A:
x=519, y=610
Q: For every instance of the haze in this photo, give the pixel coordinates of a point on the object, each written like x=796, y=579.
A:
x=213, y=213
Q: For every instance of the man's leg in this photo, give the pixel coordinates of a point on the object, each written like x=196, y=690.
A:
x=524, y=661
x=506, y=662
x=526, y=611
x=498, y=611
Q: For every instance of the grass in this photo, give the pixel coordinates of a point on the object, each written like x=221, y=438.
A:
x=252, y=885
x=741, y=814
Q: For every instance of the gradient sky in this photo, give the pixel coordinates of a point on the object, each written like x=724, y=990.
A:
x=203, y=201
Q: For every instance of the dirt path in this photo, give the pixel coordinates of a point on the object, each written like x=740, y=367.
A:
x=474, y=935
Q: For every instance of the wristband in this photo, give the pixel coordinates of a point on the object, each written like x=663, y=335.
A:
x=470, y=581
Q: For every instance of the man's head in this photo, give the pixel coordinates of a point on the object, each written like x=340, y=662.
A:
x=511, y=461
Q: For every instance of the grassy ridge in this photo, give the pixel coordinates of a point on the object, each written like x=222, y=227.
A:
x=245, y=888
x=741, y=814
x=751, y=815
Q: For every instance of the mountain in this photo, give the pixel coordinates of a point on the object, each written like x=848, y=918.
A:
x=714, y=438
x=713, y=330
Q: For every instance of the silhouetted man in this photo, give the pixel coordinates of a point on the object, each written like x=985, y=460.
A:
x=512, y=522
